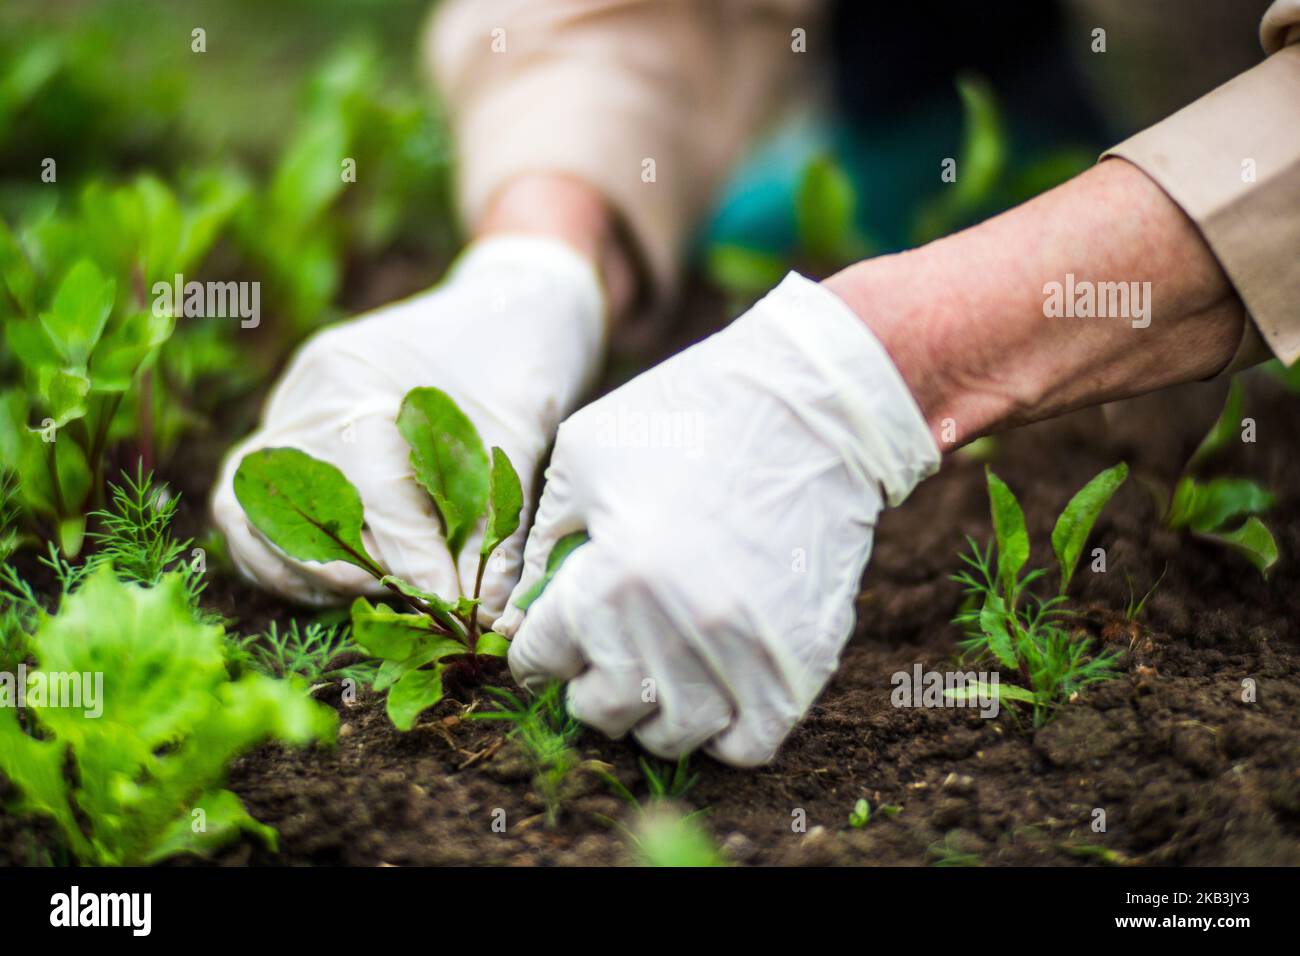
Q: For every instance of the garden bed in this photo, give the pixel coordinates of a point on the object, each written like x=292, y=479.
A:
x=1186, y=772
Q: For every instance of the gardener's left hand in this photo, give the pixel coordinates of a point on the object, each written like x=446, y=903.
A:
x=730, y=494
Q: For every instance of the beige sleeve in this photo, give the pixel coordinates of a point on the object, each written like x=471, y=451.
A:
x=650, y=101
x=1231, y=160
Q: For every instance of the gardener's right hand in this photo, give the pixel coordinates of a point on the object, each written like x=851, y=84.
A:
x=513, y=334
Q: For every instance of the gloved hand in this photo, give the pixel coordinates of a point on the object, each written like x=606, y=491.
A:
x=513, y=334
x=730, y=494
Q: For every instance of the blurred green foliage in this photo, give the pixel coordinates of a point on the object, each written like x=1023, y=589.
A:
x=828, y=236
x=297, y=145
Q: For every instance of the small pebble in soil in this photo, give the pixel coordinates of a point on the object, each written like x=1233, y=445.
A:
x=738, y=847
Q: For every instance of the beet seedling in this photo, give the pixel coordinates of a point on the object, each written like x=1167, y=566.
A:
x=1020, y=630
x=1223, y=511
x=84, y=362
x=310, y=511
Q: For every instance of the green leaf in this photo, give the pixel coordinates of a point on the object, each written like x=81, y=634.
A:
x=64, y=391
x=861, y=814
x=1221, y=432
x=998, y=691
x=1009, y=530
x=395, y=636
x=155, y=728
x=72, y=534
x=1208, y=506
x=448, y=459
x=304, y=506
x=1076, y=521
x=1253, y=540
x=32, y=344
x=411, y=591
x=563, y=548
x=224, y=818
x=980, y=166
x=744, y=271
x=417, y=691
x=127, y=348
x=492, y=644
x=993, y=622
x=505, y=501
x=16, y=273
x=35, y=768
x=161, y=234
x=824, y=206
x=444, y=611
x=79, y=311
x=984, y=151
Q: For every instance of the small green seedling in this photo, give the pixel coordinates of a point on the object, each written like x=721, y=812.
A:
x=134, y=535
x=131, y=721
x=664, y=781
x=316, y=652
x=949, y=852
x=1023, y=632
x=546, y=733
x=860, y=815
x=1133, y=610
x=308, y=509
x=1223, y=511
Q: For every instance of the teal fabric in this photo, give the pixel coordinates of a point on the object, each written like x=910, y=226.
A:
x=886, y=165
x=895, y=167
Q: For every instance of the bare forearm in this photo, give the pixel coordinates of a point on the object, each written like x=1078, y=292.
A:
x=964, y=318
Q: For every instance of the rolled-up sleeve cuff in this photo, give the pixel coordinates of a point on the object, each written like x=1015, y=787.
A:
x=1231, y=160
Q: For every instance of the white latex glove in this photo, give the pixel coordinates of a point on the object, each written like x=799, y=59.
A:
x=730, y=494
x=513, y=334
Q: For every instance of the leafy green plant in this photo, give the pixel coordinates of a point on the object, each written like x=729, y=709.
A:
x=311, y=651
x=308, y=509
x=86, y=340
x=1022, y=632
x=315, y=209
x=140, y=780
x=546, y=733
x=1223, y=511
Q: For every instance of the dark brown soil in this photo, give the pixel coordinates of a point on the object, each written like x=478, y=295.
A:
x=1186, y=772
